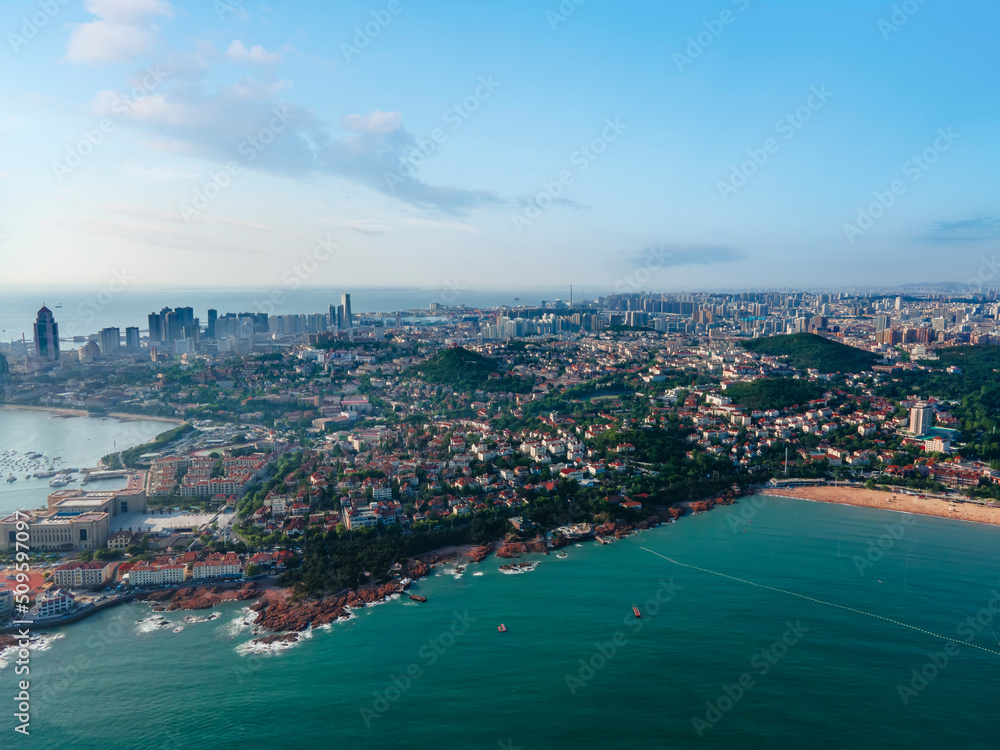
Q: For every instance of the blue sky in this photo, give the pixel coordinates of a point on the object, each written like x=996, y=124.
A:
x=725, y=144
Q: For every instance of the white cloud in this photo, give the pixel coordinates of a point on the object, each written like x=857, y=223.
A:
x=256, y=54
x=122, y=31
x=378, y=122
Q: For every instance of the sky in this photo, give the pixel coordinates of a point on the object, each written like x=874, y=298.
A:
x=731, y=144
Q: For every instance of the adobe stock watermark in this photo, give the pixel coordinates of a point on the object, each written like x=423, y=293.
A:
x=714, y=28
x=878, y=547
x=364, y=35
x=88, y=310
x=33, y=24
x=95, y=137
x=605, y=651
x=914, y=168
x=581, y=159
x=562, y=13
x=298, y=274
x=449, y=293
x=225, y=7
x=455, y=117
x=761, y=663
x=900, y=16
x=428, y=654
x=249, y=148
x=786, y=126
x=745, y=511
x=987, y=272
x=967, y=630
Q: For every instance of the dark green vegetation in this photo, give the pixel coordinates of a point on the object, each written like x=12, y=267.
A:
x=774, y=393
x=809, y=351
x=333, y=562
x=468, y=371
x=976, y=389
x=130, y=457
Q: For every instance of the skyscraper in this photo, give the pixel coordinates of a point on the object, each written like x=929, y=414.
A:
x=111, y=341
x=171, y=327
x=921, y=419
x=46, y=336
x=213, y=315
x=155, y=328
x=345, y=304
x=132, y=339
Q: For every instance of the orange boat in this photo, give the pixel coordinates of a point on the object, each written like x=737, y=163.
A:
x=635, y=608
x=502, y=628
x=418, y=598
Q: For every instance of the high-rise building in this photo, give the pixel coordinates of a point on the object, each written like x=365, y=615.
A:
x=132, y=339
x=881, y=322
x=921, y=418
x=345, y=303
x=155, y=327
x=46, y=336
x=111, y=341
x=185, y=315
x=171, y=327
x=213, y=316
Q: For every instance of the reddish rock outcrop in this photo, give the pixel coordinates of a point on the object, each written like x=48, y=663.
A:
x=416, y=569
x=201, y=597
x=285, y=616
x=515, y=549
x=478, y=554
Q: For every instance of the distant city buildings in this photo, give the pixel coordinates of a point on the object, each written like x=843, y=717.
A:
x=46, y=336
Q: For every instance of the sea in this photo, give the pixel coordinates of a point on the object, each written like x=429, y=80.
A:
x=773, y=623
x=85, y=311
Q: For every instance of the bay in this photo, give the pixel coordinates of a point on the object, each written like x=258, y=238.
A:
x=553, y=680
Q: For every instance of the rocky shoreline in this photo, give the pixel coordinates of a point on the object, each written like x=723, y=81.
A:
x=200, y=597
x=285, y=617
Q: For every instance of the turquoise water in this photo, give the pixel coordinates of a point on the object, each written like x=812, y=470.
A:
x=105, y=685
x=79, y=441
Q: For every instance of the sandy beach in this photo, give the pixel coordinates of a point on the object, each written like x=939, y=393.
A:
x=925, y=506
x=58, y=410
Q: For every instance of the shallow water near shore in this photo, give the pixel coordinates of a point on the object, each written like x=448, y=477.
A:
x=575, y=667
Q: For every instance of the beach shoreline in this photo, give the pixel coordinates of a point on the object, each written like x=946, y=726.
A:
x=61, y=411
x=894, y=501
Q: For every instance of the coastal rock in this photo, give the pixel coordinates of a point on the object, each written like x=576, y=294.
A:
x=478, y=554
x=416, y=569
x=201, y=597
x=515, y=549
x=279, y=638
x=286, y=616
x=6, y=641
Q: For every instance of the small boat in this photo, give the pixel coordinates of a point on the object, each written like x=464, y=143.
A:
x=561, y=555
x=635, y=609
x=502, y=628
x=177, y=630
x=11, y=478
x=418, y=598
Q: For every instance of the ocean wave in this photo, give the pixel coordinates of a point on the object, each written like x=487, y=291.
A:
x=478, y=573
x=244, y=620
x=35, y=643
x=151, y=624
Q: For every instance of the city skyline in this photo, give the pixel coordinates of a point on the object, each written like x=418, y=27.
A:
x=716, y=147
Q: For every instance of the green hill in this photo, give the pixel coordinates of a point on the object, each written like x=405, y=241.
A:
x=774, y=393
x=467, y=371
x=805, y=351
